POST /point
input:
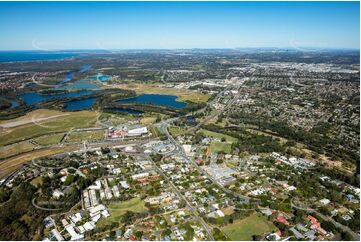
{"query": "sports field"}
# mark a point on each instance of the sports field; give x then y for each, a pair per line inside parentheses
(117, 209)
(255, 224)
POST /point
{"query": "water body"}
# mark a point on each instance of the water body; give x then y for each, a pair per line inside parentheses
(35, 98)
(13, 102)
(80, 84)
(68, 77)
(83, 104)
(85, 68)
(156, 99)
(127, 110)
(101, 77)
(15, 56)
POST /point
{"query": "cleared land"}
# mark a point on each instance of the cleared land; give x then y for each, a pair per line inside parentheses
(255, 224)
(60, 124)
(86, 135)
(49, 139)
(117, 209)
(15, 149)
(154, 88)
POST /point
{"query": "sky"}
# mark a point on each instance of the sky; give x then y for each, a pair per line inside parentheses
(174, 25)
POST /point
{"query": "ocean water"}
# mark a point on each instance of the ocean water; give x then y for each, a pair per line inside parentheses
(15, 56)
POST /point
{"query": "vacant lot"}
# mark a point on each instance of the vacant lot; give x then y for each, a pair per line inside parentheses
(86, 135)
(49, 139)
(255, 224)
(59, 124)
(117, 209)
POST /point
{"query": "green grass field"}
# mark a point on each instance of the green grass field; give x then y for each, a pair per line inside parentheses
(49, 139)
(15, 149)
(60, 124)
(255, 224)
(175, 131)
(86, 135)
(117, 209)
(217, 147)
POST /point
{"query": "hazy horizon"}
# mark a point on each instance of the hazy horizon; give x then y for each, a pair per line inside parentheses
(178, 25)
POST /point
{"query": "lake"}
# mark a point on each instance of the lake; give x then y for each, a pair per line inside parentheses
(83, 104)
(80, 84)
(68, 77)
(85, 68)
(156, 99)
(35, 98)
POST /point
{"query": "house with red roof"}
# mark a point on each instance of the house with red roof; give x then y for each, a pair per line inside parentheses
(282, 219)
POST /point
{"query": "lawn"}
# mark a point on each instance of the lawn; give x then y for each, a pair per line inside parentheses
(117, 209)
(218, 135)
(49, 139)
(59, 124)
(15, 149)
(86, 135)
(217, 147)
(255, 224)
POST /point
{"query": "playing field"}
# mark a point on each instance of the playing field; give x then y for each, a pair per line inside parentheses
(60, 123)
(255, 224)
(117, 209)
